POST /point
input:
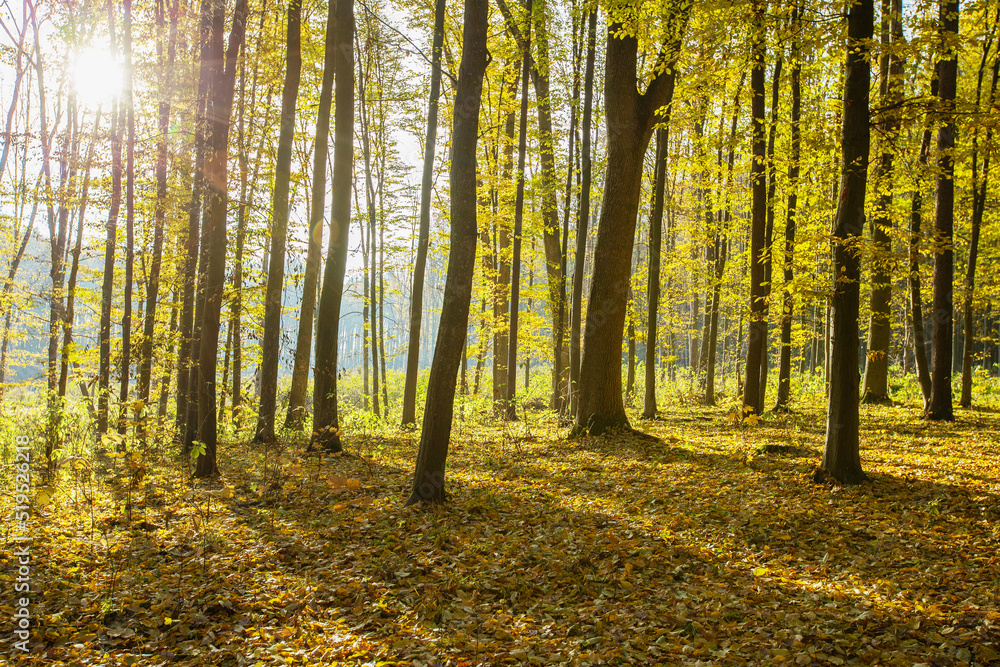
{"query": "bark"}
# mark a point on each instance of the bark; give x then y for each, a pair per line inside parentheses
(757, 328)
(583, 215)
(219, 112)
(510, 407)
(940, 407)
(653, 282)
(876, 379)
(107, 288)
(772, 186)
(630, 118)
(979, 190)
(420, 262)
(428, 476)
(153, 287)
(271, 339)
(371, 296)
(325, 418)
(303, 346)
(501, 308)
(841, 458)
(788, 301)
(187, 372)
(722, 249)
(129, 104)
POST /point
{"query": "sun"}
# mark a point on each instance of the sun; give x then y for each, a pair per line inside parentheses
(96, 77)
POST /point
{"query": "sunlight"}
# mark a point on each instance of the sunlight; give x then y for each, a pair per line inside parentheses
(96, 77)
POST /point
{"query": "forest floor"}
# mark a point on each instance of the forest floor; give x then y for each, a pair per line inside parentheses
(710, 545)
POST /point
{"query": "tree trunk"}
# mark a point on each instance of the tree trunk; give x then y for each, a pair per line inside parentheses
(788, 301)
(630, 117)
(303, 345)
(582, 216)
(129, 103)
(510, 407)
(428, 476)
(940, 407)
(653, 282)
(757, 329)
(219, 112)
(841, 458)
(420, 262)
(979, 190)
(876, 379)
(153, 287)
(271, 339)
(325, 418)
(772, 186)
(107, 288)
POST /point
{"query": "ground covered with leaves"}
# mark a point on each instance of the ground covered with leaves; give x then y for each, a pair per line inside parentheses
(708, 545)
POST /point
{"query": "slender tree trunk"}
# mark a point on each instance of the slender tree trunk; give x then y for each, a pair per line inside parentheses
(841, 458)
(107, 288)
(420, 263)
(979, 190)
(583, 215)
(752, 390)
(653, 282)
(428, 476)
(501, 309)
(303, 347)
(219, 112)
(510, 406)
(325, 417)
(129, 104)
(271, 340)
(876, 379)
(788, 303)
(772, 186)
(153, 288)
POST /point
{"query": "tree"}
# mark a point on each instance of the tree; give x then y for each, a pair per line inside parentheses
(841, 457)
(428, 475)
(653, 281)
(940, 407)
(583, 214)
(271, 342)
(788, 301)
(630, 118)
(222, 78)
(876, 379)
(757, 329)
(326, 423)
(300, 368)
(420, 262)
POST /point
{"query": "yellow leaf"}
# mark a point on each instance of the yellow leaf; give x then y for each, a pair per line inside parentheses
(760, 571)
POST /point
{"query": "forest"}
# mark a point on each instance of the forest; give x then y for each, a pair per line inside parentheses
(417, 332)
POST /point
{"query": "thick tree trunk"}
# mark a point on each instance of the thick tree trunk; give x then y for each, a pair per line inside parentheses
(428, 476)
(271, 339)
(325, 418)
(841, 458)
(303, 346)
(630, 117)
(219, 112)
(420, 262)
(940, 407)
